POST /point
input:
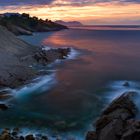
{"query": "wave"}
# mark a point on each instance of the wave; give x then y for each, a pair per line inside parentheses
(38, 85)
(117, 88)
(73, 54)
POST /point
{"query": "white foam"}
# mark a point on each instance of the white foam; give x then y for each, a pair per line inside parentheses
(117, 88)
(46, 48)
(73, 54)
(38, 85)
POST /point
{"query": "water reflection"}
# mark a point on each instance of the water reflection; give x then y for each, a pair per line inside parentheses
(80, 92)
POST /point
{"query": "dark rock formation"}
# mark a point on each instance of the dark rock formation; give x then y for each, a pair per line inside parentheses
(91, 135)
(4, 95)
(14, 134)
(117, 121)
(24, 24)
(126, 84)
(3, 107)
(51, 55)
(16, 56)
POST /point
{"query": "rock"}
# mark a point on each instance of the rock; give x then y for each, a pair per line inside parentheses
(51, 55)
(4, 95)
(5, 135)
(126, 84)
(6, 130)
(29, 137)
(21, 138)
(116, 121)
(112, 130)
(3, 107)
(15, 132)
(91, 135)
(44, 138)
(124, 103)
(132, 131)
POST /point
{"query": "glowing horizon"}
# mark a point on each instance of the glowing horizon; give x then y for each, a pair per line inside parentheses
(90, 12)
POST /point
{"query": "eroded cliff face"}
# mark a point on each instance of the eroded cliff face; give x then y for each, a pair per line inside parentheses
(12, 50)
(17, 58)
(117, 122)
(24, 24)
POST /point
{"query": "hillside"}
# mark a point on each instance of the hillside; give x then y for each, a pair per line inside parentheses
(12, 50)
(24, 24)
(16, 57)
(70, 23)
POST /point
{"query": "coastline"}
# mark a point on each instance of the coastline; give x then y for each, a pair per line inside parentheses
(117, 121)
(37, 63)
(17, 60)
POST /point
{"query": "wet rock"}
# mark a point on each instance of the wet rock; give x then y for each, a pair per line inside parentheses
(44, 138)
(123, 102)
(5, 135)
(116, 121)
(21, 138)
(15, 132)
(51, 55)
(4, 95)
(132, 131)
(91, 135)
(29, 137)
(112, 130)
(126, 84)
(3, 107)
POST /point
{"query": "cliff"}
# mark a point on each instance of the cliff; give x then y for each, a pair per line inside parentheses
(117, 121)
(16, 57)
(24, 24)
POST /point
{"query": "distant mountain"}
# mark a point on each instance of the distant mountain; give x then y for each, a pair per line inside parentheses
(11, 14)
(70, 23)
(24, 24)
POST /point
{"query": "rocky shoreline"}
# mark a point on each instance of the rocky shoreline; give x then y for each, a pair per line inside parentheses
(117, 121)
(17, 59)
(16, 55)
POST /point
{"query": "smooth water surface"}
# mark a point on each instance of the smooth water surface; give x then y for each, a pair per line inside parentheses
(79, 88)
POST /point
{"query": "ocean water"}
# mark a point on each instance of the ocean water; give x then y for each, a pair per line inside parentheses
(69, 99)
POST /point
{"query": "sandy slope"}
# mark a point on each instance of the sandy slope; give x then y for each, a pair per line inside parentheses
(12, 68)
(16, 57)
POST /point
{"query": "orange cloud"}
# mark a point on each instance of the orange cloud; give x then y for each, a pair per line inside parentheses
(100, 13)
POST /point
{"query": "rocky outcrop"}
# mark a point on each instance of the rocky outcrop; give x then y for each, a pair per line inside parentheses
(16, 55)
(117, 121)
(24, 24)
(18, 30)
(14, 134)
(51, 55)
(3, 107)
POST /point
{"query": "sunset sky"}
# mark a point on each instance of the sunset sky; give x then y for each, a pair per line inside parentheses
(86, 11)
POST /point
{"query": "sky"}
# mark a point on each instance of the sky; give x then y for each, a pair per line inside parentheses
(90, 12)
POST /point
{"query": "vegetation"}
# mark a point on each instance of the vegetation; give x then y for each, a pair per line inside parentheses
(24, 21)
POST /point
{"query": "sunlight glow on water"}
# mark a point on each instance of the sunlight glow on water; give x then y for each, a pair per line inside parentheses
(82, 86)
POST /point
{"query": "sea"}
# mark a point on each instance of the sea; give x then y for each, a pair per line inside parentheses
(69, 98)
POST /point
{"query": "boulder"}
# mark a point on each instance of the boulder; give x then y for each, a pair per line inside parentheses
(126, 84)
(116, 121)
(45, 57)
(91, 135)
(5, 135)
(3, 107)
(29, 137)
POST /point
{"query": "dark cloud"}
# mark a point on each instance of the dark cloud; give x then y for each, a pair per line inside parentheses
(48, 2)
(24, 2)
